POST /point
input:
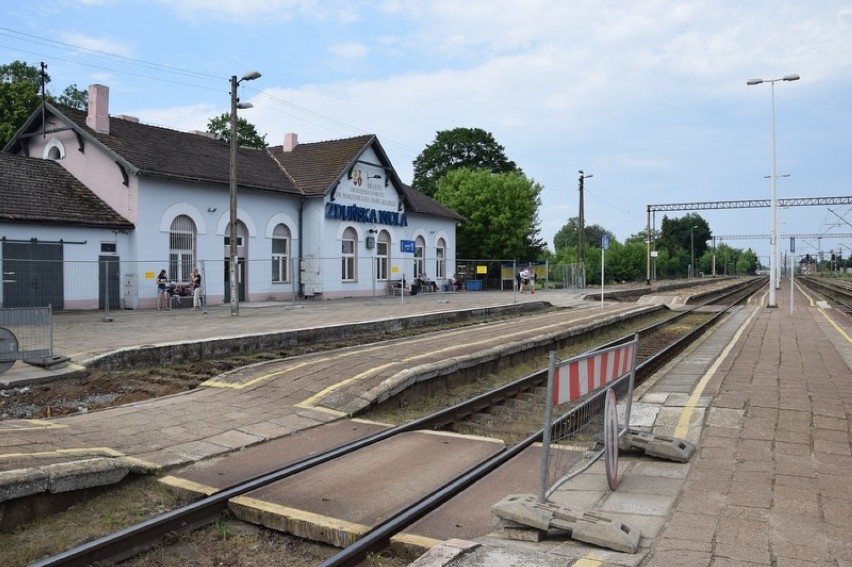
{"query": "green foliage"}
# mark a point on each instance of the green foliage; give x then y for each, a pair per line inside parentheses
(501, 211)
(568, 235)
(472, 148)
(74, 97)
(247, 135)
(681, 238)
(20, 95)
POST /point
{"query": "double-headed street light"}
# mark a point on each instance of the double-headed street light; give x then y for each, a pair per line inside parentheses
(773, 237)
(235, 104)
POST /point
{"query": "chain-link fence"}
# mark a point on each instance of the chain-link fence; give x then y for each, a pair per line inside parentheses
(25, 333)
(113, 284)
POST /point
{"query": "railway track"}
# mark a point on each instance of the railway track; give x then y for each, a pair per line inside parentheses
(838, 292)
(662, 342)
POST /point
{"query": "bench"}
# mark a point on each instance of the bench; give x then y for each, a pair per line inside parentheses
(178, 293)
(395, 288)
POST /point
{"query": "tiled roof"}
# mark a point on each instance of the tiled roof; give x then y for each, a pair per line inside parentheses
(316, 167)
(426, 205)
(310, 169)
(183, 155)
(37, 190)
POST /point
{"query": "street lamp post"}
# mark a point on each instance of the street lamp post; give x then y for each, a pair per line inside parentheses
(581, 236)
(232, 234)
(773, 238)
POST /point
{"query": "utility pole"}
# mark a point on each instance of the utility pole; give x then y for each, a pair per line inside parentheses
(581, 236)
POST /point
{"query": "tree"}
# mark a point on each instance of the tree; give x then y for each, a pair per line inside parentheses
(501, 212)
(680, 237)
(568, 234)
(74, 97)
(20, 87)
(472, 148)
(20, 96)
(247, 135)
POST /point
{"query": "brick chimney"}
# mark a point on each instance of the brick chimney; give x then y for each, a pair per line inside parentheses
(98, 117)
(291, 140)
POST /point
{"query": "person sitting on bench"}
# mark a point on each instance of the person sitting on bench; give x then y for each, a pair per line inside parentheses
(425, 283)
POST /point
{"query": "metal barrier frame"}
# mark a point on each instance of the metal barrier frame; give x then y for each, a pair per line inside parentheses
(574, 441)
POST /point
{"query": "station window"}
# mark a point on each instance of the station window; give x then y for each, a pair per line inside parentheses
(382, 256)
(181, 248)
(280, 254)
(441, 259)
(348, 257)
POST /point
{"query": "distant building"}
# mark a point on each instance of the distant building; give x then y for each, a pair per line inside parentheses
(327, 219)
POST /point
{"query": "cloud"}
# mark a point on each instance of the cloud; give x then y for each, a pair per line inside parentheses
(252, 11)
(101, 44)
(350, 52)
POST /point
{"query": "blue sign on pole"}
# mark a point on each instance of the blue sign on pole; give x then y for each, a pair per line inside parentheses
(406, 246)
(604, 241)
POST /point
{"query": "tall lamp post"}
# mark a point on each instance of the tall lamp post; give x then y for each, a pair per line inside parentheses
(581, 236)
(232, 235)
(773, 237)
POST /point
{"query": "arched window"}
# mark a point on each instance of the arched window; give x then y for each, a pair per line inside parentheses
(419, 262)
(348, 255)
(383, 247)
(280, 254)
(54, 150)
(441, 259)
(181, 249)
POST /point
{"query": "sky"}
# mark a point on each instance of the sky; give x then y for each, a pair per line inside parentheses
(647, 96)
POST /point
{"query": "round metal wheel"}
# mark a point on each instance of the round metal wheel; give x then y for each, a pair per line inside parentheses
(611, 439)
(8, 349)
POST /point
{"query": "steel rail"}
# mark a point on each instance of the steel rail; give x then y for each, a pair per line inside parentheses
(167, 527)
(379, 537)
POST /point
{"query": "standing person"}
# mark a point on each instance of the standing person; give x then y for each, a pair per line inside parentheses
(163, 291)
(533, 276)
(195, 281)
(525, 279)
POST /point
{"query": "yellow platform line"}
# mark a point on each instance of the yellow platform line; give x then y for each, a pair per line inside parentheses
(215, 383)
(836, 326)
(91, 451)
(310, 403)
(686, 415)
(189, 485)
(295, 521)
(35, 425)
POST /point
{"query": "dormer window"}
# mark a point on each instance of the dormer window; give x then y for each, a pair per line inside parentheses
(54, 150)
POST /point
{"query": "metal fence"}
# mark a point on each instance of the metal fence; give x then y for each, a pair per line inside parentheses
(574, 440)
(25, 333)
(113, 284)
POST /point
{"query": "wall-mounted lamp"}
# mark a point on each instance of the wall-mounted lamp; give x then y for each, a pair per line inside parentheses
(211, 209)
(400, 204)
(373, 231)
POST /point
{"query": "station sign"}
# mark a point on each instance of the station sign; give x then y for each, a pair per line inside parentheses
(406, 246)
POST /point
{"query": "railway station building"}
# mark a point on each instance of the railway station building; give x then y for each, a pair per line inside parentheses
(93, 206)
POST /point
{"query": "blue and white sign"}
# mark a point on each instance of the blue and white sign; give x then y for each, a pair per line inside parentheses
(406, 246)
(604, 242)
